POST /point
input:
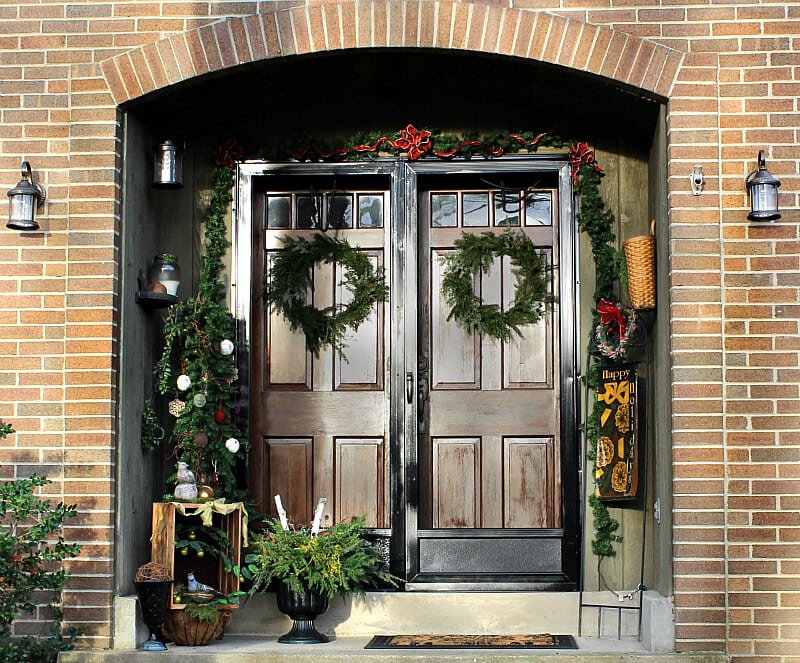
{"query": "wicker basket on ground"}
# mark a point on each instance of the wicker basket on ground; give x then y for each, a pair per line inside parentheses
(184, 629)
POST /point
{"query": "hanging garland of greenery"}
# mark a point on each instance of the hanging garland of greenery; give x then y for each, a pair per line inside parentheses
(290, 280)
(473, 255)
(208, 433)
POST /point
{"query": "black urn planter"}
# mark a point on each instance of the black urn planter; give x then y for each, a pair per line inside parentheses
(153, 599)
(302, 607)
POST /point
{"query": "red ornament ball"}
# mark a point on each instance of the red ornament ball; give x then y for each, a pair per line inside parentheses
(219, 416)
(201, 440)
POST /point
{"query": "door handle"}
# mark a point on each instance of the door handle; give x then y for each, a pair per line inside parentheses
(409, 387)
(423, 388)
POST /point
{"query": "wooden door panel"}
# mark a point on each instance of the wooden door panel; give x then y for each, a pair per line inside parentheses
(455, 353)
(528, 358)
(528, 485)
(289, 471)
(288, 363)
(327, 413)
(508, 412)
(361, 477)
(456, 481)
(360, 366)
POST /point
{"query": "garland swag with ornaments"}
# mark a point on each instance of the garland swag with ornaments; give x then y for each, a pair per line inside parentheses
(197, 366)
(206, 433)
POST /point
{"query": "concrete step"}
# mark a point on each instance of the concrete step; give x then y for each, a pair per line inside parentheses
(606, 630)
(239, 649)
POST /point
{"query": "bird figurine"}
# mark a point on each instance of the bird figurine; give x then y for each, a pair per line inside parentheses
(194, 585)
(186, 488)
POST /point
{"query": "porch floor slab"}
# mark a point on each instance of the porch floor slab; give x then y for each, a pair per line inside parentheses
(239, 649)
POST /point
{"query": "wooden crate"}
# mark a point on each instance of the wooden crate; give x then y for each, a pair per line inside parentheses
(208, 570)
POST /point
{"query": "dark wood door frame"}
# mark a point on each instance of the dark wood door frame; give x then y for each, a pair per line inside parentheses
(555, 564)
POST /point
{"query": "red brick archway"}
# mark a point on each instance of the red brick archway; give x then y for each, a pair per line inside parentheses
(345, 24)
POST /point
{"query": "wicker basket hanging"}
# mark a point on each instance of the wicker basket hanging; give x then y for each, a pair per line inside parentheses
(640, 258)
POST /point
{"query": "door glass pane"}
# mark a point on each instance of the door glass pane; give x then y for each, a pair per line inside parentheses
(506, 208)
(443, 210)
(370, 211)
(476, 209)
(340, 211)
(308, 211)
(279, 212)
(538, 208)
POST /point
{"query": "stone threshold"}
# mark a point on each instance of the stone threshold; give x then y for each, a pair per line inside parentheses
(241, 649)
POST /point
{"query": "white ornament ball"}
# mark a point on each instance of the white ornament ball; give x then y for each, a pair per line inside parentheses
(226, 347)
(184, 382)
(232, 445)
(199, 400)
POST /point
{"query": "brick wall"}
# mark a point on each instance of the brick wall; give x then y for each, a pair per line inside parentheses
(730, 71)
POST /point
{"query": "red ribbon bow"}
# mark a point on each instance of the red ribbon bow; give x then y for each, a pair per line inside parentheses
(611, 314)
(229, 153)
(580, 154)
(413, 142)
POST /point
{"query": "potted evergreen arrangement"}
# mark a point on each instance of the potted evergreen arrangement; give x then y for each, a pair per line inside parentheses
(312, 565)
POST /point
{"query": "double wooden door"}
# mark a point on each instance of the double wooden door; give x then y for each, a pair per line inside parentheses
(456, 447)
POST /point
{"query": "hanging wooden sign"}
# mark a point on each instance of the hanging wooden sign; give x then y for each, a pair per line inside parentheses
(617, 464)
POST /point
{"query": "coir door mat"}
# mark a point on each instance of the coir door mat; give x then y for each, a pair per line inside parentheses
(527, 641)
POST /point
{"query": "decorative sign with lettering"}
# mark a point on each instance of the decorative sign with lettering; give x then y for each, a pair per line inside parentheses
(617, 464)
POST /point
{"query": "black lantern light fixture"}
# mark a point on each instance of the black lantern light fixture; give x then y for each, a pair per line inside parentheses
(23, 200)
(168, 166)
(762, 188)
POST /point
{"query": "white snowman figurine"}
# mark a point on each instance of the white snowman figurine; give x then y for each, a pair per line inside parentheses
(186, 488)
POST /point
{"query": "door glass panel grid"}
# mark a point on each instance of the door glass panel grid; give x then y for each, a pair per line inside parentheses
(540, 206)
(504, 208)
(324, 210)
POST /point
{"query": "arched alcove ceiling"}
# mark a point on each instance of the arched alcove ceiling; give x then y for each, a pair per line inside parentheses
(339, 93)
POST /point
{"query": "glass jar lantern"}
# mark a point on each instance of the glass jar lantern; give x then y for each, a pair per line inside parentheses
(164, 275)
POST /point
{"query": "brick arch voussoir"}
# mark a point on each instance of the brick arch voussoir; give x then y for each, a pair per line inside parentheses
(354, 24)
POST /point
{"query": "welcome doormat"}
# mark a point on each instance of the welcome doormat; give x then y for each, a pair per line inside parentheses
(526, 641)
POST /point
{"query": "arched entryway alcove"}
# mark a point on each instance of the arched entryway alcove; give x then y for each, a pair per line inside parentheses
(332, 95)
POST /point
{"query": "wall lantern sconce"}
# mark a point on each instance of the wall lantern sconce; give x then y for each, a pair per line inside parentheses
(762, 188)
(168, 166)
(23, 200)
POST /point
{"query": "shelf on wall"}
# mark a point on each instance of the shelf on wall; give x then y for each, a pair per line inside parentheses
(169, 516)
(155, 299)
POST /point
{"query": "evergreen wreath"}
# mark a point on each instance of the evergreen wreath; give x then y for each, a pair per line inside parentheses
(474, 254)
(290, 280)
(615, 329)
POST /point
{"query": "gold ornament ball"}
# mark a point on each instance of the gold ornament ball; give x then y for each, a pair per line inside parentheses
(184, 551)
(177, 598)
(205, 492)
(200, 553)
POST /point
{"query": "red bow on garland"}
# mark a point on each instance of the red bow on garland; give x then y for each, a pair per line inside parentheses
(413, 141)
(578, 155)
(229, 153)
(611, 314)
